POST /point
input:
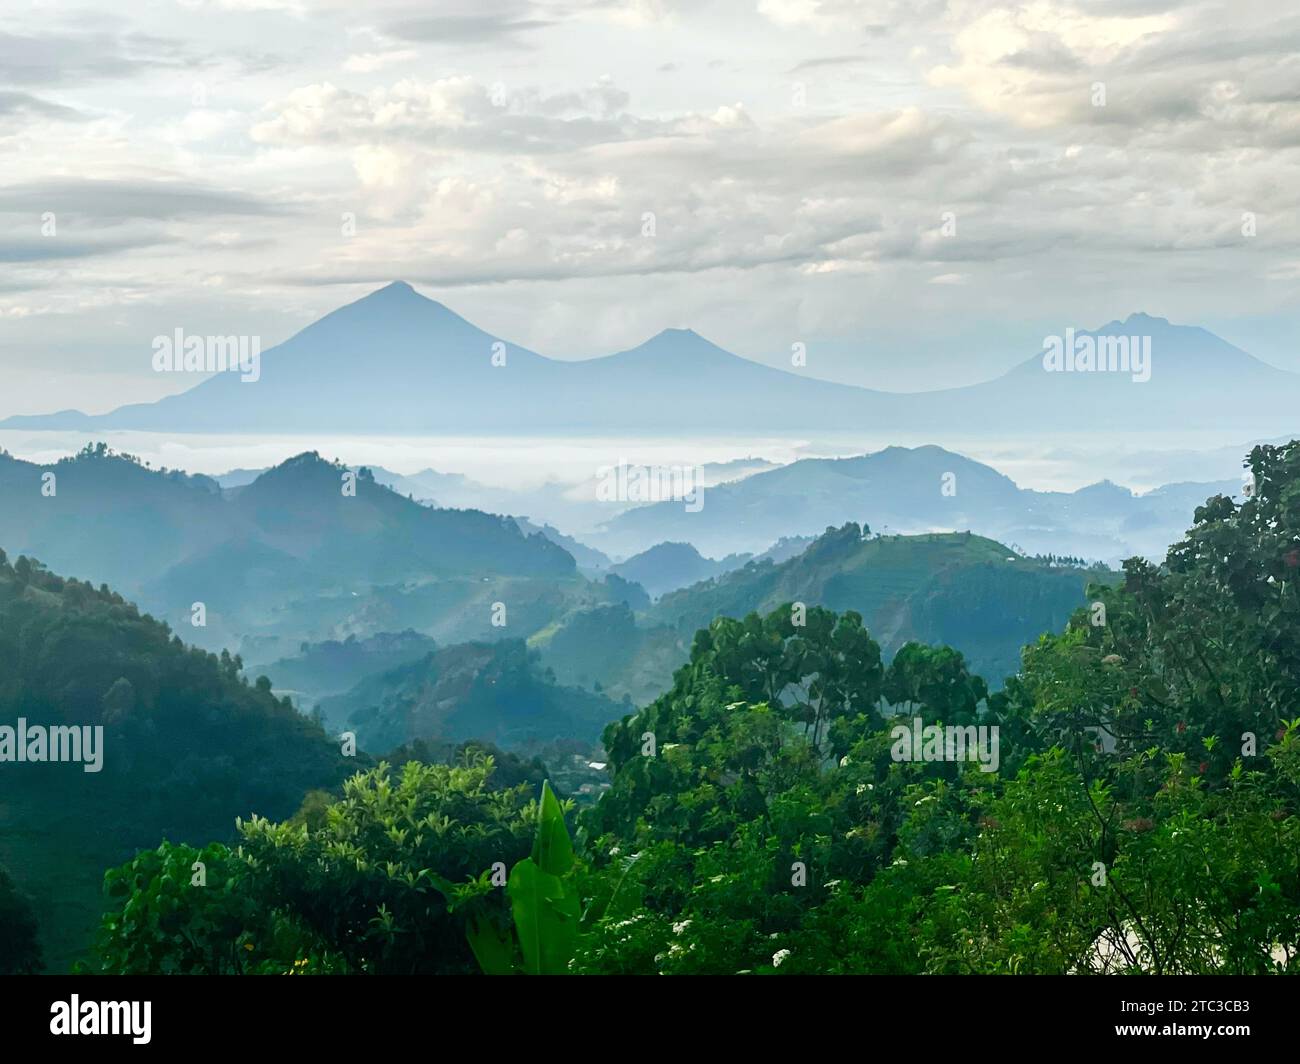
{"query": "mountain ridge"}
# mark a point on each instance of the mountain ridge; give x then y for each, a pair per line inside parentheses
(395, 361)
(916, 490)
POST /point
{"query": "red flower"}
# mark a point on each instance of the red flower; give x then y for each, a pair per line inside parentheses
(1203, 767)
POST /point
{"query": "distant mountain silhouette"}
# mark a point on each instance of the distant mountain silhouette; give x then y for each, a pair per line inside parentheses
(667, 566)
(397, 362)
(589, 559)
(917, 489)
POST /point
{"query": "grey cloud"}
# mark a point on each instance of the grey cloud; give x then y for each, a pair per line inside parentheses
(74, 58)
(554, 185)
(1046, 54)
(540, 135)
(462, 29)
(22, 103)
(602, 98)
(828, 61)
(481, 273)
(1127, 8)
(1220, 44)
(55, 248)
(113, 201)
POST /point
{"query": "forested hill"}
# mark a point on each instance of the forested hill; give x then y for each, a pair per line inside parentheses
(303, 522)
(187, 745)
(494, 691)
(956, 589)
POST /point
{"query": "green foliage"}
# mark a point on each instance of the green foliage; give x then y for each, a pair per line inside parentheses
(937, 678)
(1067, 878)
(185, 911)
(187, 745)
(380, 881)
(1145, 818)
(544, 903)
(20, 948)
(389, 877)
(543, 896)
(771, 764)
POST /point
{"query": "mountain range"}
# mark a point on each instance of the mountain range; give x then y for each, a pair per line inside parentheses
(289, 558)
(915, 489)
(664, 546)
(396, 362)
(292, 553)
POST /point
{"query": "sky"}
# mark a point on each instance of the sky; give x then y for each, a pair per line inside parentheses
(917, 191)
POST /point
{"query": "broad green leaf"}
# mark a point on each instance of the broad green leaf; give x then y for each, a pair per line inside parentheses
(552, 848)
(492, 947)
(546, 911)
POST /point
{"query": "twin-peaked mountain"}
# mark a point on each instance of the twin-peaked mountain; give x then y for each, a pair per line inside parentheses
(397, 362)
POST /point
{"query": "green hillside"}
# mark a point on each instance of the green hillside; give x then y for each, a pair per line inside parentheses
(337, 665)
(959, 589)
(497, 692)
(187, 745)
(300, 554)
(955, 589)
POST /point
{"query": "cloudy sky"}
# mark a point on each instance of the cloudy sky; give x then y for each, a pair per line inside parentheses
(917, 190)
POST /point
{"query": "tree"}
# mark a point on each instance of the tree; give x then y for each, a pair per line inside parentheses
(935, 678)
(188, 911)
(388, 878)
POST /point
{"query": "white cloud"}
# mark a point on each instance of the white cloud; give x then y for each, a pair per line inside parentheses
(369, 62)
(1038, 63)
